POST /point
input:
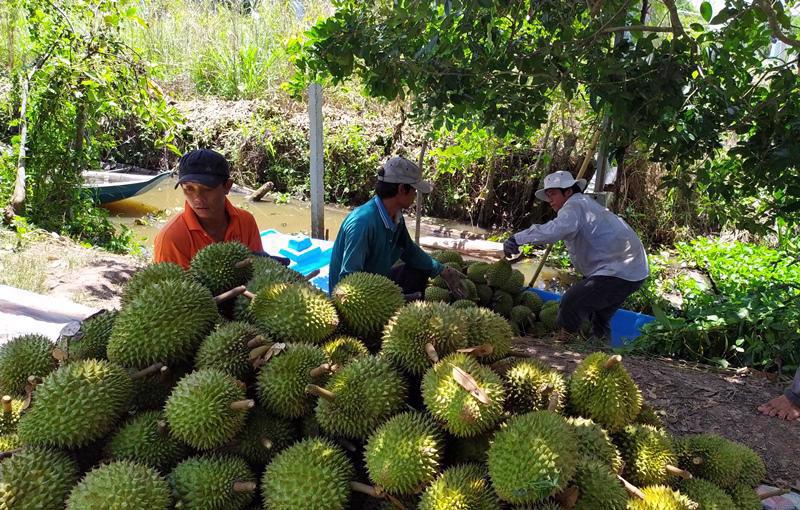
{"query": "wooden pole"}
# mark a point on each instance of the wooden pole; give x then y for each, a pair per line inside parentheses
(419, 195)
(317, 152)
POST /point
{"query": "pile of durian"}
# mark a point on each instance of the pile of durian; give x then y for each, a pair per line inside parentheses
(300, 401)
(498, 287)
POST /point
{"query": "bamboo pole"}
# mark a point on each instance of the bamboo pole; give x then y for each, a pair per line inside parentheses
(418, 221)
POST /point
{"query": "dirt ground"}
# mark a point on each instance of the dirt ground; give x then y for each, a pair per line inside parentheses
(693, 398)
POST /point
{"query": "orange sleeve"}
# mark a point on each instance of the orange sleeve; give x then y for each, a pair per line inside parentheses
(166, 247)
(251, 236)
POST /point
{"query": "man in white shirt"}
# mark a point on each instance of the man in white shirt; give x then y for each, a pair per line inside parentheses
(601, 246)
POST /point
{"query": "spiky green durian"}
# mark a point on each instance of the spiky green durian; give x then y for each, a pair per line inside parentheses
(9, 442)
(404, 454)
(745, 498)
(77, 404)
(602, 390)
(533, 456)
(502, 302)
(145, 439)
(294, 312)
(531, 300)
(312, 470)
(206, 409)
(344, 349)
(366, 302)
(266, 271)
(164, 323)
(477, 272)
(599, 487)
(707, 495)
(712, 458)
(649, 416)
(148, 275)
(659, 497)
(521, 314)
(93, 339)
(548, 315)
(437, 294)
(498, 273)
(364, 393)
(515, 283)
(485, 295)
(121, 485)
(283, 379)
(36, 479)
(530, 386)
(471, 289)
(213, 482)
(463, 487)
(226, 349)
(413, 327)
(461, 412)
(486, 327)
(449, 257)
(263, 436)
(595, 444)
(9, 414)
(439, 282)
(647, 451)
(753, 468)
(152, 391)
(219, 267)
(463, 303)
(24, 356)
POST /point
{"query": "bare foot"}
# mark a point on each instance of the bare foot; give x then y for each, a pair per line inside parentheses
(781, 407)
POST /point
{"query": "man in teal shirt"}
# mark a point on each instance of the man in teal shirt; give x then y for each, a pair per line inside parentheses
(374, 236)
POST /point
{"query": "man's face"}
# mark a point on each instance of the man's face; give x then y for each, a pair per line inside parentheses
(557, 198)
(408, 198)
(205, 201)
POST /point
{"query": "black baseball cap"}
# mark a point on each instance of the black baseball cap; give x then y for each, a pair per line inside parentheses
(203, 166)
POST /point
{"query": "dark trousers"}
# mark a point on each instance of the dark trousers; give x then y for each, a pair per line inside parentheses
(409, 279)
(793, 391)
(594, 299)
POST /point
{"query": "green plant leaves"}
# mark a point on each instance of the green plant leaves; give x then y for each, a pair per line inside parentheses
(706, 11)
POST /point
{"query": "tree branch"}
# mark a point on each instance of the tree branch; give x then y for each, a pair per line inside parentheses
(637, 28)
(674, 19)
(766, 6)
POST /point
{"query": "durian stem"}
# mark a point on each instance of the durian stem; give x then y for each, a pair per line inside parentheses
(256, 341)
(259, 351)
(244, 263)
(324, 369)
(552, 402)
(9, 453)
(678, 472)
(241, 487)
(546, 389)
(243, 404)
(363, 488)
(311, 275)
(320, 392)
(430, 350)
(152, 369)
(228, 295)
(612, 361)
(773, 492)
(479, 351)
(632, 489)
(7, 404)
(698, 460)
(161, 426)
(34, 381)
(266, 443)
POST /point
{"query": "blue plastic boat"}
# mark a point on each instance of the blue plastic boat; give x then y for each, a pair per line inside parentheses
(105, 187)
(308, 255)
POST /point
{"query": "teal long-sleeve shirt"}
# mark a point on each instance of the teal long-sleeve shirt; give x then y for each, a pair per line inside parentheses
(371, 242)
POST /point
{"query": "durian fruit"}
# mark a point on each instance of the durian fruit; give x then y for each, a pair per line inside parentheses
(485, 295)
(145, 439)
(533, 456)
(598, 487)
(707, 495)
(498, 273)
(212, 482)
(77, 404)
(226, 349)
(219, 267)
(471, 289)
(486, 327)
(594, 443)
(521, 314)
(649, 416)
(366, 302)
(206, 409)
(24, 356)
(294, 312)
(548, 315)
(420, 332)
(266, 271)
(463, 412)
(152, 390)
(502, 302)
(531, 300)
(404, 454)
(532, 385)
(477, 272)
(648, 453)
(263, 436)
(313, 473)
(163, 324)
(148, 275)
(711, 457)
(121, 485)
(660, 497)
(9, 442)
(515, 282)
(93, 339)
(282, 380)
(602, 390)
(753, 469)
(36, 478)
(341, 350)
(359, 397)
(449, 257)
(463, 303)
(9, 415)
(745, 498)
(438, 281)
(437, 294)
(463, 487)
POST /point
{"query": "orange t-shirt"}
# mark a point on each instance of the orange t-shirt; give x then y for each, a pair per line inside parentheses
(183, 236)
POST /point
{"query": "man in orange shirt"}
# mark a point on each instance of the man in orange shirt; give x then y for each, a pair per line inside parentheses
(208, 216)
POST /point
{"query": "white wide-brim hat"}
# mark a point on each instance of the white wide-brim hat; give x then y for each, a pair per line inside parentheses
(560, 179)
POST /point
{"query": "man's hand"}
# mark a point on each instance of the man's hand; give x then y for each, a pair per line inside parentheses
(453, 279)
(510, 247)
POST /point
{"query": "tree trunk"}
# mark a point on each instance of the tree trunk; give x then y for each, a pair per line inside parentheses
(80, 127)
(488, 199)
(11, 25)
(620, 183)
(16, 206)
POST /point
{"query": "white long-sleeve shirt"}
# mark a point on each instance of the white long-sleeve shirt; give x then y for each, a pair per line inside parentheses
(599, 242)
